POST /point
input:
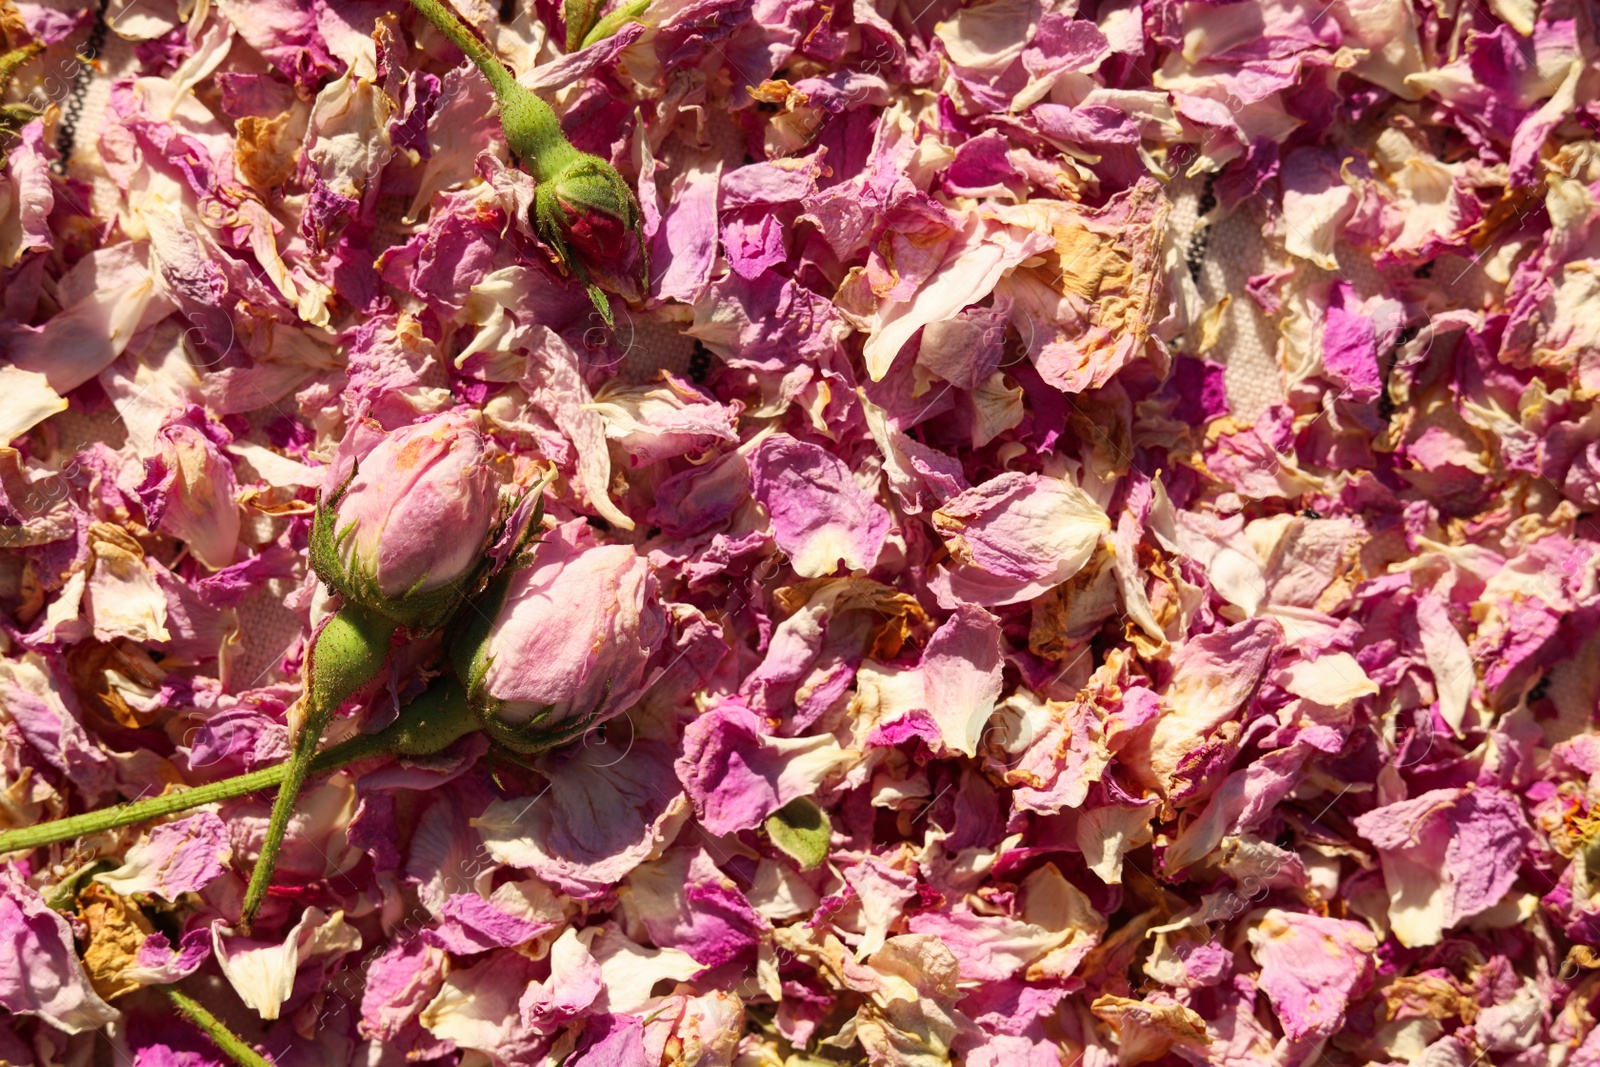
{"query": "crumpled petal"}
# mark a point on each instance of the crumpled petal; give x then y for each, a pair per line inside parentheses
(174, 858)
(736, 774)
(41, 974)
(598, 820)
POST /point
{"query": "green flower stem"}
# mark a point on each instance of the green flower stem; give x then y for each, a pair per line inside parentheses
(139, 811)
(429, 724)
(613, 22)
(231, 1044)
(347, 653)
(531, 127)
(447, 23)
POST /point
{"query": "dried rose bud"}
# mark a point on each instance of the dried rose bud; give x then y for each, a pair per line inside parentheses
(582, 208)
(408, 532)
(405, 539)
(565, 642)
(588, 216)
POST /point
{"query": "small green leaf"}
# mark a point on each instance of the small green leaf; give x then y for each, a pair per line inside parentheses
(801, 831)
(64, 897)
(601, 304)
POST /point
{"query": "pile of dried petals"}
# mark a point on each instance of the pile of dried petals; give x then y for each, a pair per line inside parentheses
(752, 532)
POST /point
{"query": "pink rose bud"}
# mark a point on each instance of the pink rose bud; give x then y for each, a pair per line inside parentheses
(409, 530)
(567, 642)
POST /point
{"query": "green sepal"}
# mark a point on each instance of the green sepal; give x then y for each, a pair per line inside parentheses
(468, 649)
(608, 26)
(528, 536)
(580, 17)
(801, 830)
(602, 304)
(474, 620)
(533, 736)
(549, 221)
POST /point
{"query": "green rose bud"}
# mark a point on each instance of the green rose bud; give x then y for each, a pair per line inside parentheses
(590, 219)
(583, 209)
